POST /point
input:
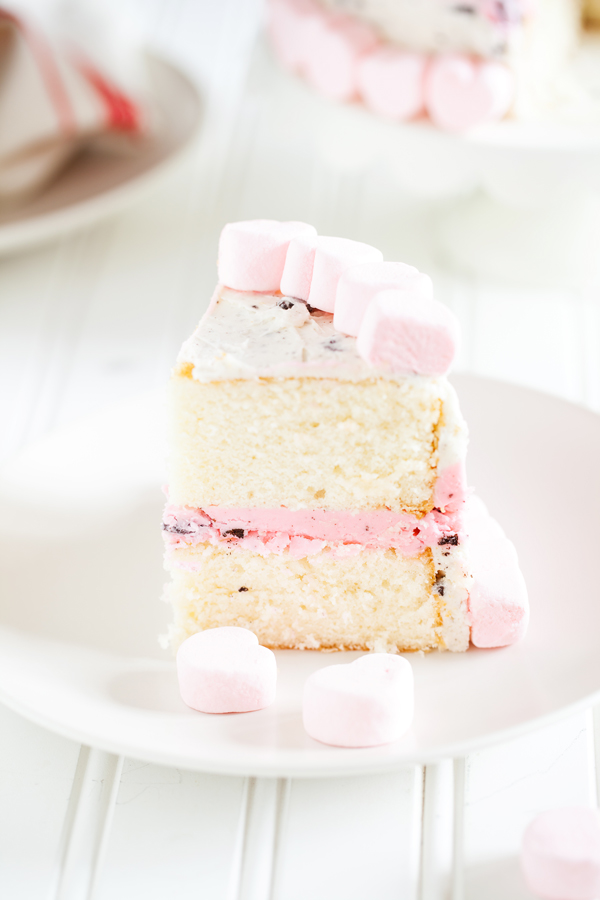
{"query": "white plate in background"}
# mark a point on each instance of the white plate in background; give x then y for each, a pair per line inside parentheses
(81, 579)
(97, 185)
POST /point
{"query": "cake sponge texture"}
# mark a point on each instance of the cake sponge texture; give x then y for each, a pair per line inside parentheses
(377, 600)
(318, 443)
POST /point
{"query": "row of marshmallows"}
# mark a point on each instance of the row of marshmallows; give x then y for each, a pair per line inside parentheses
(387, 306)
(345, 60)
(361, 704)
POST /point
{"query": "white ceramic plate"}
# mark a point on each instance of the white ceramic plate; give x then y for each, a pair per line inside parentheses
(81, 578)
(98, 185)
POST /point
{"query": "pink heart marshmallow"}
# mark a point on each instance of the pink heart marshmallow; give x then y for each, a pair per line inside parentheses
(298, 268)
(334, 46)
(560, 854)
(498, 604)
(391, 82)
(332, 257)
(461, 92)
(225, 670)
(290, 24)
(407, 334)
(359, 284)
(252, 254)
(361, 704)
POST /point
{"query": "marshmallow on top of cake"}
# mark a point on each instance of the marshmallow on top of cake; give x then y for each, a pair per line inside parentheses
(317, 490)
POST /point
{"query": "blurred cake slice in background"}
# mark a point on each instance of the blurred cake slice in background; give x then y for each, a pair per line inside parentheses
(317, 490)
(459, 64)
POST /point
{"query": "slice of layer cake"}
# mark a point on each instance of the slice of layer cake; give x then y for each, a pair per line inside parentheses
(316, 487)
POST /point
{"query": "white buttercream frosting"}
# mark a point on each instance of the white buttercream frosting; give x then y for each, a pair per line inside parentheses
(453, 434)
(247, 335)
(473, 26)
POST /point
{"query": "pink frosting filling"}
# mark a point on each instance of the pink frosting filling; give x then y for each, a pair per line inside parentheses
(304, 532)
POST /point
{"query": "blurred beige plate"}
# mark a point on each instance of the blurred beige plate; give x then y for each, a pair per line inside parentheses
(81, 579)
(98, 185)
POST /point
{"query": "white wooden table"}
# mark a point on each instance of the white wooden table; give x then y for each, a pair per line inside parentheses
(101, 315)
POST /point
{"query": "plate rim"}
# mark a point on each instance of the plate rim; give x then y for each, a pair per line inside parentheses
(456, 750)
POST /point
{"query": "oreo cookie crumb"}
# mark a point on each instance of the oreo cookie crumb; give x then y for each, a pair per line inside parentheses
(236, 532)
(176, 529)
(448, 539)
(285, 304)
(242, 589)
(310, 308)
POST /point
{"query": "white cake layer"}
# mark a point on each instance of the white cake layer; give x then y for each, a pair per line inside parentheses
(318, 443)
(378, 600)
